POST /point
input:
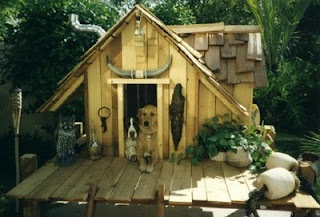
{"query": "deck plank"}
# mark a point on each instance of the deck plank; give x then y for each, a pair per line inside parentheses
(148, 184)
(70, 181)
(198, 184)
(79, 192)
(237, 186)
(32, 182)
(181, 187)
(55, 180)
(166, 178)
(249, 178)
(110, 178)
(217, 191)
(123, 191)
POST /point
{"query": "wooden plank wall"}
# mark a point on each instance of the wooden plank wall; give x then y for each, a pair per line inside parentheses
(200, 103)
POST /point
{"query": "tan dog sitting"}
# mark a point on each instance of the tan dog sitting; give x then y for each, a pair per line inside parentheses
(147, 150)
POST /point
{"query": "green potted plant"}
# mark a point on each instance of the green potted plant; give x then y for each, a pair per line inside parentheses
(217, 135)
(259, 148)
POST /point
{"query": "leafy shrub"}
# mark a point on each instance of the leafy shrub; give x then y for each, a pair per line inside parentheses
(288, 102)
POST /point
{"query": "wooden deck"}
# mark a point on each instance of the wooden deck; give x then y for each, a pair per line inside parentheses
(212, 184)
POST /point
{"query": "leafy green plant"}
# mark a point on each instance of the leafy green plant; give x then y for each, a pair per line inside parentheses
(259, 148)
(311, 143)
(217, 134)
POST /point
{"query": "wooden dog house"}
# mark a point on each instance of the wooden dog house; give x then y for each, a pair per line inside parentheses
(217, 65)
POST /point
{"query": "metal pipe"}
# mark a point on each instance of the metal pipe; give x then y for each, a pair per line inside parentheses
(74, 20)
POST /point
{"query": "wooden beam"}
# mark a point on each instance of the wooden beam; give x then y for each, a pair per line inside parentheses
(195, 28)
(120, 119)
(138, 81)
(66, 93)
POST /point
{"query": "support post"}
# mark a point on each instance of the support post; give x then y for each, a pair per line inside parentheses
(160, 202)
(28, 165)
(90, 203)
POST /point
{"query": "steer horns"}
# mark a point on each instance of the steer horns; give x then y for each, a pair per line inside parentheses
(139, 73)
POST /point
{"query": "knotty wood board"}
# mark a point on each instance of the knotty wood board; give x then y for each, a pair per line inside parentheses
(198, 184)
(79, 192)
(147, 186)
(32, 182)
(165, 178)
(237, 186)
(181, 189)
(110, 178)
(55, 180)
(125, 188)
(71, 181)
(217, 191)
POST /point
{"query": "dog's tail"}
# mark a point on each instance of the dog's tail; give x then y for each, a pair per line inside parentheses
(251, 204)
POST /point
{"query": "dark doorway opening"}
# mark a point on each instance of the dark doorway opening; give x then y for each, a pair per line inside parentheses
(137, 96)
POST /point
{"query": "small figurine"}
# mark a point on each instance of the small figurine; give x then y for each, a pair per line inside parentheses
(66, 138)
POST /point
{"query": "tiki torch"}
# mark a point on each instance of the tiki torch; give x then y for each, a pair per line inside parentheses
(16, 103)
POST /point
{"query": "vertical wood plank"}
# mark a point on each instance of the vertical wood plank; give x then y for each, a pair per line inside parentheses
(243, 93)
(106, 100)
(152, 46)
(120, 119)
(94, 99)
(141, 51)
(128, 46)
(192, 104)
(178, 74)
(160, 118)
(163, 51)
(116, 54)
(28, 165)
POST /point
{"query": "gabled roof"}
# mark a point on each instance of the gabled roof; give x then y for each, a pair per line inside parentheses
(75, 77)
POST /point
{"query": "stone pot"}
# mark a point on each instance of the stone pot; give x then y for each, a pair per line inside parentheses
(239, 159)
(221, 156)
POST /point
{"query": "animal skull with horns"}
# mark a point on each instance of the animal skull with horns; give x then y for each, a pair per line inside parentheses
(139, 73)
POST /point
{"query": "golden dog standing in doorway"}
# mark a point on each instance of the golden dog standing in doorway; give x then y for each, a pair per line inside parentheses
(147, 150)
